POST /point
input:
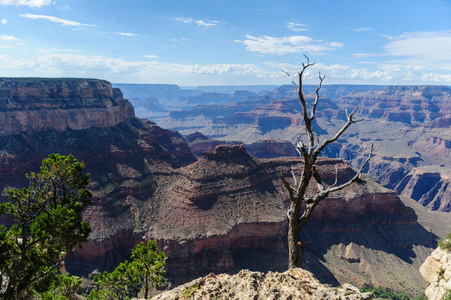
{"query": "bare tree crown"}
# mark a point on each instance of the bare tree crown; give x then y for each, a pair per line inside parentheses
(309, 152)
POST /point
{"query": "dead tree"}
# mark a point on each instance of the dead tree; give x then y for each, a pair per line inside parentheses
(298, 214)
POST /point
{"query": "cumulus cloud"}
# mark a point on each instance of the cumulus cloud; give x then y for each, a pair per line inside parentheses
(284, 45)
(432, 77)
(8, 38)
(54, 19)
(4, 21)
(116, 69)
(201, 23)
(30, 3)
(294, 26)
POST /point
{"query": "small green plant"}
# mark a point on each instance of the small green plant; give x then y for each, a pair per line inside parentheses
(386, 293)
(445, 243)
(447, 296)
(189, 290)
(441, 273)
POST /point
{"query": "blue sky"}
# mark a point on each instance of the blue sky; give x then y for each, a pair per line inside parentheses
(227, 42)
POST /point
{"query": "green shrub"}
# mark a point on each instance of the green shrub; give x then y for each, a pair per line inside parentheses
(447, 296)
(445, 243)
(386, 293)
(189, 290)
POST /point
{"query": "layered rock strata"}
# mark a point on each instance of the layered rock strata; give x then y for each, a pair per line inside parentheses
(37, 105)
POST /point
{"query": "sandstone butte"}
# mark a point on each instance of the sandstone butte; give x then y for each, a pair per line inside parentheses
(220, 213)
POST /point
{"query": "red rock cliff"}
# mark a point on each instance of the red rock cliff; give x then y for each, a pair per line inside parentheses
(36, 105)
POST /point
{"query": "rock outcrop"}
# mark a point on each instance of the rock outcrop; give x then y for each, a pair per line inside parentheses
(37, 105)
(248, 285)
(429, 186)
(272, 148)
(436, 270)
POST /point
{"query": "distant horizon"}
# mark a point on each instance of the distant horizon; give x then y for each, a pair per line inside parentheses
(228, 42)
(216, 85)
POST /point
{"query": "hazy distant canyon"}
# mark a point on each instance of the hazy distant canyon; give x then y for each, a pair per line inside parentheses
(409, 126)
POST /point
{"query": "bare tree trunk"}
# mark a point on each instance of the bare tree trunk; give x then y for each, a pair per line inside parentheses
(293, 239)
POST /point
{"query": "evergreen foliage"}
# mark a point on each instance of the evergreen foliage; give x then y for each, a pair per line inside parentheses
(144, 272)
(62, 287)
(47, 225)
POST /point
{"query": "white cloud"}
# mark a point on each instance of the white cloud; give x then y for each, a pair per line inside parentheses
(206, 23)
(294, 26)
(433, 45)
(30, 3)
(284, 45)
(202, 23)
(437, 77)
(127, 34)
(118, 70)
(389, 74)
(151, 56)
(54, 19)
(363, 55)
(184, 20)
(363, 29)
(4, 21)
(8, 38)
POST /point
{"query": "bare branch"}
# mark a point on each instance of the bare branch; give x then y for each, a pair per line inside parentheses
(336, 176)
(287, 186)
(294, 178)
(321, 78)
(353, 179)
(292, 81)
(300, 148)
(301, 96)
(313, 202)
(319, 182)
(350, 121)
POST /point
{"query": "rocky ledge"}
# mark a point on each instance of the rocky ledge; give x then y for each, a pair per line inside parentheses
(436, 270)
(291, 284)
(37, 105)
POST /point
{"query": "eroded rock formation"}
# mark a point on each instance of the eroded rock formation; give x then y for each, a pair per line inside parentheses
(37, 105)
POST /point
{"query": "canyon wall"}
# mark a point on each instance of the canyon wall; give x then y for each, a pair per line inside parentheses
(409, 126)
(222, 212)
(37, 105)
